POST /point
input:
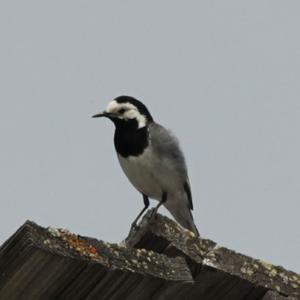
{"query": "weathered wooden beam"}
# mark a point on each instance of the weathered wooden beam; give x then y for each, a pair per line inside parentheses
(217, 271)
(38, 263)
(160, 261)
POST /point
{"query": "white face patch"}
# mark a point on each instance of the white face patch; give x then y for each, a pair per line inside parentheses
(131, 112)
(112, 107)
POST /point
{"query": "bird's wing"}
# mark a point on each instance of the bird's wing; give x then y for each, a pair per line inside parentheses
(167, 147)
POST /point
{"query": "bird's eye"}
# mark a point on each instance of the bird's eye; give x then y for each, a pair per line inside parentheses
(122, 110)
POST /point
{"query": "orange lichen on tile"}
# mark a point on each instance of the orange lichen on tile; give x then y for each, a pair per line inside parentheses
(73, 241)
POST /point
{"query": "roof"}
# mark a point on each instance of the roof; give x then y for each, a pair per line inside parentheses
(160, 260)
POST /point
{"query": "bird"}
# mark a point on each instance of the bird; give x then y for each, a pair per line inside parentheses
(152, 159)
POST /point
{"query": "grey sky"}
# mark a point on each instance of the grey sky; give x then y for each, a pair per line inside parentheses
(223, 75)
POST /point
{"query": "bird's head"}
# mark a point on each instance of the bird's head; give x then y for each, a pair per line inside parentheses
(127, 111)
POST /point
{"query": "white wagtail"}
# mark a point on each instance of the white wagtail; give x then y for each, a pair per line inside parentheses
(151, 158)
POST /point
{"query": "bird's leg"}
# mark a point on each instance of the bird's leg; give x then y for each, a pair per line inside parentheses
(161, 202)
(146, 202)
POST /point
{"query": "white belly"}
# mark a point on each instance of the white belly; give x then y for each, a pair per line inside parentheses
(149, 175)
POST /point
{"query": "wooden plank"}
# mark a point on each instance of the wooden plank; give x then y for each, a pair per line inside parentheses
(159, 261)
(38, 263)
(236, 276)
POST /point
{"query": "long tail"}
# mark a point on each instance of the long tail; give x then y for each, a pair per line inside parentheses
(189, 223)
(183, 215)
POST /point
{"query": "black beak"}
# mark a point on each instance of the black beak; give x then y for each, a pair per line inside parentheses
(106, 115)
(103, 114)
